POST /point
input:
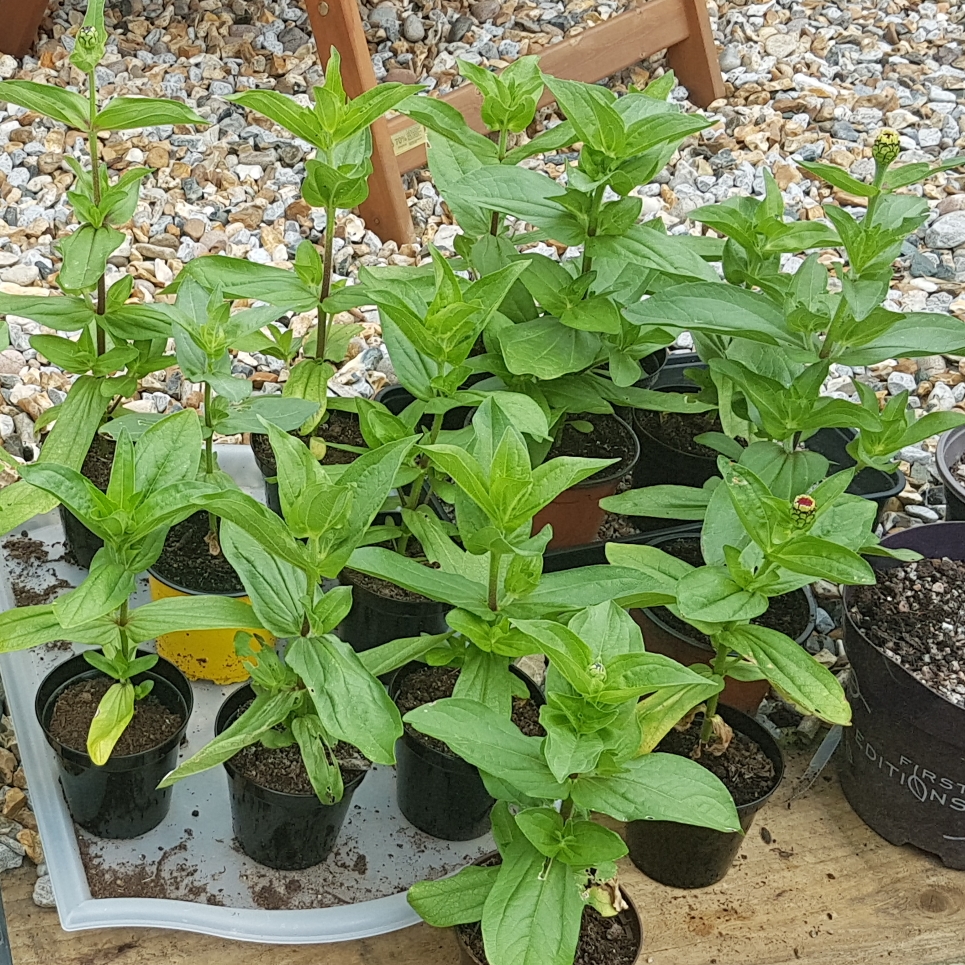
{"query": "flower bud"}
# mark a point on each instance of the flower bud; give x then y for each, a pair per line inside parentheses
(803, 508)
(886, 147)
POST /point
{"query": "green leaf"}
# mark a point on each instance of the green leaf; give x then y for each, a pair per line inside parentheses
(273, 584)
(67, 314)
(264, 713)
(547, 349)
(533, 913)
(114, 712)
(189, 613)
(22, 628)
(663, 502)
(791, 670)
(324, 774)
(351, 704)
(840, 179)
(388, 656)
(300, 121)
(709, 595)
(107, 586)
(489, 741)
(824, 559)
(66, 106)
(85, 253)
(458, 900)
(133, 113)
(660, 787)
(588, 844)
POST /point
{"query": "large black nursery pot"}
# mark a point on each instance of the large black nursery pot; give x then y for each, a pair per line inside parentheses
(951, 445)
(439, 793)
(119, 799)
(629, 919)
(674, 642)
(902, 762)
(375, 619)
(283, 831)
(686, 856)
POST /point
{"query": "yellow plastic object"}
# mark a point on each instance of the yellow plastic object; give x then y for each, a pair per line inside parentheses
(202, 654)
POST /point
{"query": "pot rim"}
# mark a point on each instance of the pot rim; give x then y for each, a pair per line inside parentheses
(679, 385)
(700, 645)
(171, 585)
(943, 462)
(623, 467)
(627, 897)
(86, 670)
(239, 696)
(847, 599)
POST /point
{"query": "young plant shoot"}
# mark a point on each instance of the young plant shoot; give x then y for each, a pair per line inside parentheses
(756, 546)
(554, 860)
(117, 343)
(152, 486)
(319, 693)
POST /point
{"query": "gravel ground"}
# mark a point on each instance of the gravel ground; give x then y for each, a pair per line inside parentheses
(804, 80)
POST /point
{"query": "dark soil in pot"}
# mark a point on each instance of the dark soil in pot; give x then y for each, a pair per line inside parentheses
(916, 616)
(120, 798)
(186, 560)
(438, 792)
(277, 818)
(339, 427)
(76, 705)
(685, 856)
(80, 544)
(678, 431)
(575, 514)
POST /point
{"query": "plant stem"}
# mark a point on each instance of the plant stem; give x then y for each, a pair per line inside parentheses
(496, 219)
(95, 165)
(209, 452)
(417, 494)
(323, 317)
(591, 226)
(723, 653)
(494, 559)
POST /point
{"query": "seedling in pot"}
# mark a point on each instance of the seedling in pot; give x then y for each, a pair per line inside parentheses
(770, 337)
(757, 546)
(118, 343)
(152, 487)
(339, 129)
(556, 861)
(204, 330)
(491, 565)
(319, 693)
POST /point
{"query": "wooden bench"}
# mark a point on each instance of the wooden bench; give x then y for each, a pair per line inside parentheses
(820, 888)
(682, 27)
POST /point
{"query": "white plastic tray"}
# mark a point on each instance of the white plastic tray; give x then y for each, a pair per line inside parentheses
(359, 891)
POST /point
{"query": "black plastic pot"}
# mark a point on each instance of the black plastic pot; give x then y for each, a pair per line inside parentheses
(79, 541)
(951, 445)
(396, 398)
(439, 793)
(628, 919)
(686, 856)
(374, 620)
(661, 637)
(283, 831)
(902, 763)
(119, 799)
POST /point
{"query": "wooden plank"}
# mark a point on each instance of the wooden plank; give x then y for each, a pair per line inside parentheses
(826, 891)
(596, 53)
(20, 21)
(336, 23)
(695, 60)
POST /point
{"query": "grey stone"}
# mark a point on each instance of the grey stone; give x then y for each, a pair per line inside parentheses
(823, 622)
(387, 18)
(924, 264)
(925, 513)
(915, 454)
(941, 399)
(844, 131)
(23, 275)
(901, 382)
(9, 859)
(44, 893)
(947, 232)
(460, 27)
(413, 29)
(484, 10)
(929, 137)
(292, 38)
(931, 365)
